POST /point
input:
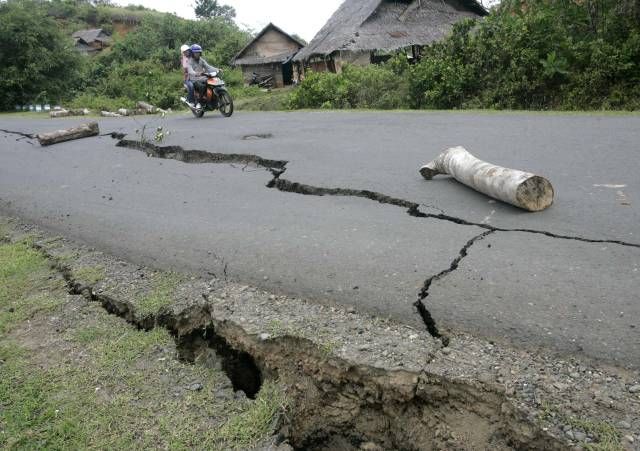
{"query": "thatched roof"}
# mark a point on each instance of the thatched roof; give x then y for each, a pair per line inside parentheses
(89, 36)
(365, 25)
(245, 58)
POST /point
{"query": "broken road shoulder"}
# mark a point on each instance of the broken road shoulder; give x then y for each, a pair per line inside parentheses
(352, 378)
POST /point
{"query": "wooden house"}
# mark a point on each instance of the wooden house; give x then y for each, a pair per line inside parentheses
(270, 53)
(91, 41)
(362, 32)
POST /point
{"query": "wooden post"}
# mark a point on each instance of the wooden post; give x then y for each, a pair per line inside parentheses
(522, 189)
(82, 131)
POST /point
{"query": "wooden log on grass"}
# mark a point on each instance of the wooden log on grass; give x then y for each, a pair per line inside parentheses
(522, 189)
(82, 131)
(150, 109)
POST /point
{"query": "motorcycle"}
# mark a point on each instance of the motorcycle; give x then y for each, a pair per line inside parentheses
(216, 97)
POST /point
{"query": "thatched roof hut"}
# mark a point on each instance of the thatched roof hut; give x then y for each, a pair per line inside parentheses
(363, 26)
(90, 41)
(270, 53)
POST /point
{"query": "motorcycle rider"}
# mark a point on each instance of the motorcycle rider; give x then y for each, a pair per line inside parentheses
(197, 68)
(185, 52)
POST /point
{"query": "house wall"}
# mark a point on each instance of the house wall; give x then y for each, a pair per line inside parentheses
(354, 58)
(270, 44)
(275, 70)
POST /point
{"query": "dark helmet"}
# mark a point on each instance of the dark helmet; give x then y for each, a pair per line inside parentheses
(195, 48)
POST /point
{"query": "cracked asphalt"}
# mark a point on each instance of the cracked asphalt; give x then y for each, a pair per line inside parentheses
(530, 289)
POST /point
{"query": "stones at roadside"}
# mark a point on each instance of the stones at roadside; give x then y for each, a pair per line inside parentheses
(574, 375)
(196, 386)
(624, 425)
(264, 336)
(446, 351)
(634, 389)
(629, 438)
(569, 434)
(579, 436)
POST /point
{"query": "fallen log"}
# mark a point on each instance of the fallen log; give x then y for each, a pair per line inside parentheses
(71, 112)
(522, 189)
(150, 109)
(109, 114)
(60, 113)
(82, 131)
(135, 112)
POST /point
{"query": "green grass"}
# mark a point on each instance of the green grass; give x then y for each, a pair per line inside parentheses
(252, 99)
(96, 382)
(164, 284)
(90, 275)
(255, 423)
(25, 288)
(607, 436)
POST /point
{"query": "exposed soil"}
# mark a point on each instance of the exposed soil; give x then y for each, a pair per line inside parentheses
(359, 382)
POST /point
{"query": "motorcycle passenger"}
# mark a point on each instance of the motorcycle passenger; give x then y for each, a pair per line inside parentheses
(185, 52)
(197, 68)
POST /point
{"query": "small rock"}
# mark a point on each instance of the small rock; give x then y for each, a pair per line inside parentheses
(240, 395)
(569, 434)
(264, 336)
(624, 425)
(575, 375)
(196, 386)
(370, 446)
(351, 310)
(446, 351)
(272, 297)
(580, 436)
(634, 389)
(629, 438)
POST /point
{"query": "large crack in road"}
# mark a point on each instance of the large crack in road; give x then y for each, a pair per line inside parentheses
(278, 168)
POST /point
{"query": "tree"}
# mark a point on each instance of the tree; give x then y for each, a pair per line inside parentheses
(208, 9)
(37, 62)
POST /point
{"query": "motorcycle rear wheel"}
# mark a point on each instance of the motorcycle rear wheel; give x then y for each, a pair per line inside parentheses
(226, 104)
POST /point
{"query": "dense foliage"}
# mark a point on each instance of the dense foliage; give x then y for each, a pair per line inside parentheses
(38, 62)
(533, 54)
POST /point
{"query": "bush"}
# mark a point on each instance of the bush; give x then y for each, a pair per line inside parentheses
(37, 62)
(543, 55)
(356, 87)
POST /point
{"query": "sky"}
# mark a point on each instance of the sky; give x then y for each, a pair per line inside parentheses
(302, 17)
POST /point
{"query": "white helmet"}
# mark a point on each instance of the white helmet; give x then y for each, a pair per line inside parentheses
(184, 48)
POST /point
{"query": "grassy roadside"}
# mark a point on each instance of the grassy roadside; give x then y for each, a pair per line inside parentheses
(74, 377)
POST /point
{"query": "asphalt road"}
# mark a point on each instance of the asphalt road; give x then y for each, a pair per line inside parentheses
(531, 289)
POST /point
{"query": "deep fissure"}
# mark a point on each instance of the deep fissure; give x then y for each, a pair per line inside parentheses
(239, 366)
(335, 404)
(206, 347)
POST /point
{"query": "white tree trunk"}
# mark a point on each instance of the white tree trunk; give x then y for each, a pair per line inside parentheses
(522, 189)
(150, 109)
(82, 131)
(109, 114)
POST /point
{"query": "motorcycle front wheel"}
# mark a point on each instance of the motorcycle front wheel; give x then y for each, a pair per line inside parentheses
(226, 104)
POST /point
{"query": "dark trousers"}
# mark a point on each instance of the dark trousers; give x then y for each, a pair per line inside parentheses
(190, 90)
(201, 88)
